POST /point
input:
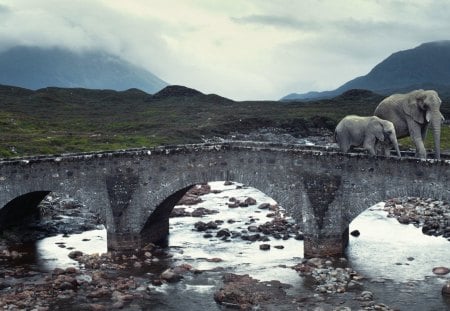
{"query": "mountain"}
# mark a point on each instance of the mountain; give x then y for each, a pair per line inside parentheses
(35, 68)
(183, 94)
(426, 66)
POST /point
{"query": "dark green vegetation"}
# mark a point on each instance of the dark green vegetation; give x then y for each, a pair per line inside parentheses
(57, 120)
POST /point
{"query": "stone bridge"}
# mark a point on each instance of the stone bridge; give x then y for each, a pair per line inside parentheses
(134, 191)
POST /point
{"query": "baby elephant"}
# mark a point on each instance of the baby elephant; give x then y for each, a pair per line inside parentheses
(366, 132)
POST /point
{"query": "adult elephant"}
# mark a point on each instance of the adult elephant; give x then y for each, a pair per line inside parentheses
(366, 132)
(411, 114)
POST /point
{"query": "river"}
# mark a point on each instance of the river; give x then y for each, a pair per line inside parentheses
(396, 260)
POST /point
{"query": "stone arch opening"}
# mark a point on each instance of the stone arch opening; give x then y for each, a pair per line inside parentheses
(41, 228)
(37, 205)
(231, 212)
(21, 209)
(156, 228)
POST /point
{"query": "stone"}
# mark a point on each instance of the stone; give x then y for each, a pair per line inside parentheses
(299, 237)
(242, 292)
(101, 292)
(214, 259)
(75, 254)
(223, 233)
(264, 206)
(250, 201)
(252, 238)
(97, 307)
(355, 233)
(71, 270)
(252, 228)
(446, 289)
(179, 212)
(366, 296)
(201, 211)
(201, 226)
(233, 205)
(264, 247)
(170, 276)
(404, 219)
(441, 270)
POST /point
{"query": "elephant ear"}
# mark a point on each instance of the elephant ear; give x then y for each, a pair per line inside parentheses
(413, 107)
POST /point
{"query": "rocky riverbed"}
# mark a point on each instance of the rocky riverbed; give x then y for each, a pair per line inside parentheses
(133, 281)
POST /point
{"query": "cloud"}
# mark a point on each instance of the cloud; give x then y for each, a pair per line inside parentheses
(242, 49)
(4, 9)
(276, 21)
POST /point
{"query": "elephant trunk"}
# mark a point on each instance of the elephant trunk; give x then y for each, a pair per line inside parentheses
(435, 126)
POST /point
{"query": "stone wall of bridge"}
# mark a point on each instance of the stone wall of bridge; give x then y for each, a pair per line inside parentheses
(135, 191)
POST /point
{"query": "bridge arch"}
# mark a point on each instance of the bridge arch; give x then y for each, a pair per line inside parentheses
(323, 190)
(21, 208)
(156, 226)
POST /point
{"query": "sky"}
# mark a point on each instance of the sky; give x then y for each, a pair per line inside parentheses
(240, 49)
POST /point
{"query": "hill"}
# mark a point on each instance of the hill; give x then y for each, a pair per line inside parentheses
(60, 120)
(426, 66)
(35, 68)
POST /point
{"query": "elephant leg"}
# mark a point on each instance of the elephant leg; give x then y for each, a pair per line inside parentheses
(420, 148)
(387, 152)
(415, 133)
(369, 145)
(344, 146)
(379, 148)
(385, 149)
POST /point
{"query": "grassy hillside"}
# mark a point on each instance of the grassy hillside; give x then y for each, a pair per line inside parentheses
(55, 120)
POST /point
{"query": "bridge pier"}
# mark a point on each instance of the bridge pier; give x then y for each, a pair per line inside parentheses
(321, 245)
(119, 241)
(325, 233)
(155, 229)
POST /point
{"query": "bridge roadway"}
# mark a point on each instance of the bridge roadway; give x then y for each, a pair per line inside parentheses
(134, 191)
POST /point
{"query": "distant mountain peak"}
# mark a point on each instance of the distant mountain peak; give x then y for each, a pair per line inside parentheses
(356, 93)
(425, 66)
(176, 91)
(441, 43)
(36, 67)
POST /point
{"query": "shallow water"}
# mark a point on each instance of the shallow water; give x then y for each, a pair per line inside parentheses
(387, 249)
(53, 251)
(397, 260)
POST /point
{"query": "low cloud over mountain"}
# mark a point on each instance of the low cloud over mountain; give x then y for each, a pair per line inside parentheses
(34, 68)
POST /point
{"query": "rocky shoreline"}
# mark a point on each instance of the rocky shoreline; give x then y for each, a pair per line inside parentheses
(431, 215)
(100, 281)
